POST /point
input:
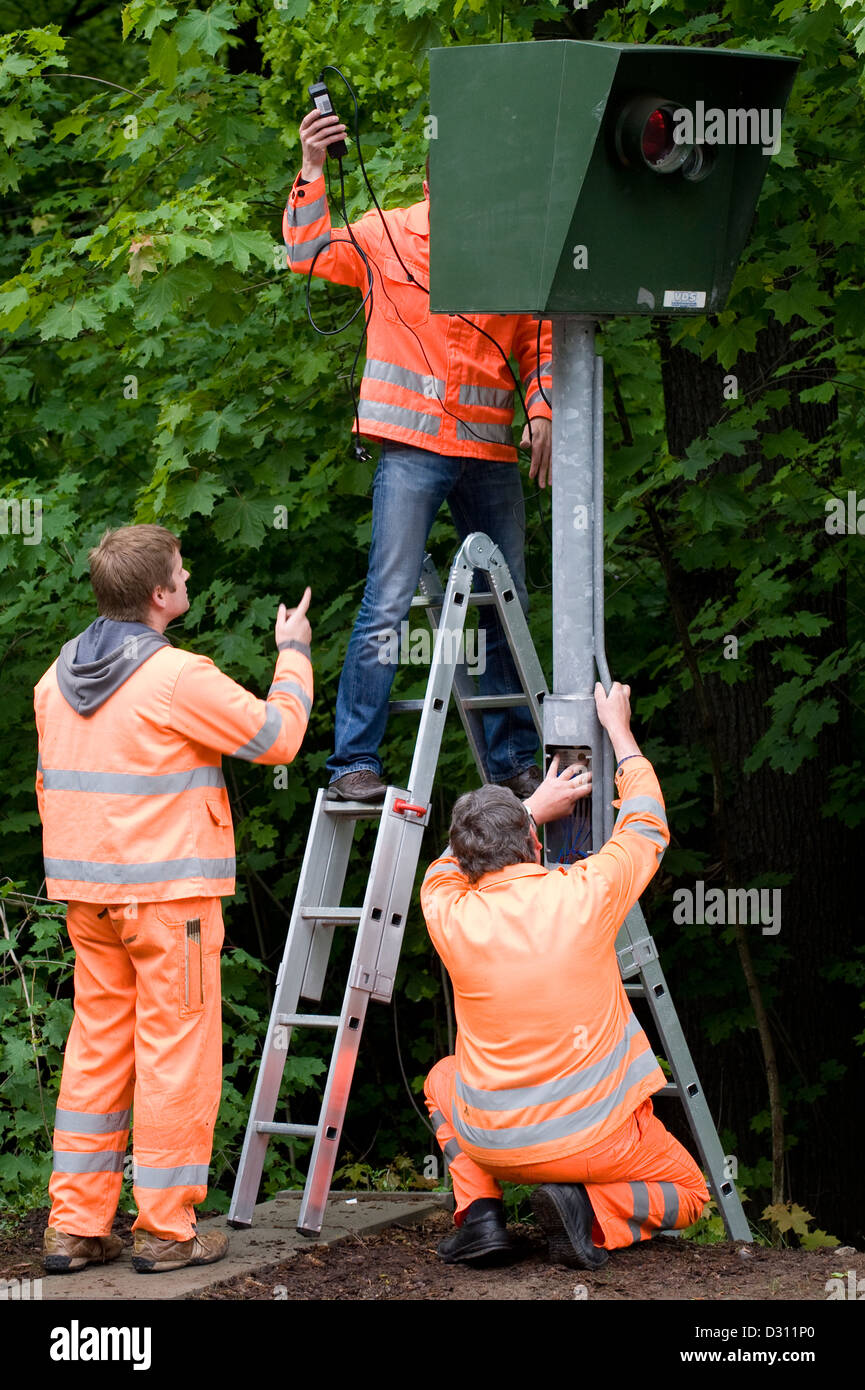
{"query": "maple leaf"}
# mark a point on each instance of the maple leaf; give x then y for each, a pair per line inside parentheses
(143, 256)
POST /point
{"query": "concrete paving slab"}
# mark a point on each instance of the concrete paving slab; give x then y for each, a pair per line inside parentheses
(272, 1239)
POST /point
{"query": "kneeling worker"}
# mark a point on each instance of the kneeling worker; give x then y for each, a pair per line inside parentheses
(138, 840)
(552, 1077)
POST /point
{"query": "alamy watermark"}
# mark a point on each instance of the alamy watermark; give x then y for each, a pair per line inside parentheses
(717, 907)
(736, 126)
(415, 647)
(21, 516)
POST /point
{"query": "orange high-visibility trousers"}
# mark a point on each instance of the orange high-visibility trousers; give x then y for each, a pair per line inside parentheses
(639, 1179)
(146, 1036)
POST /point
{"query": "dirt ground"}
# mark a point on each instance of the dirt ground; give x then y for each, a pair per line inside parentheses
(400, 1263)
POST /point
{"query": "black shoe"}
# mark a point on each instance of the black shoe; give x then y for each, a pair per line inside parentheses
(482, 1235)
(357, 786)
(565, 1215)
(525, 782)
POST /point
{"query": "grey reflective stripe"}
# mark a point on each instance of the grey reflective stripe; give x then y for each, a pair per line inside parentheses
(106, 1161)
(546, 368)
(130, 783)
(265, 738)
(641, 1209)
(292, 688)
(535, 396)
(161, 870)
(305, 250)
(305, 213)
(437, 1119)
(649, 832)
(376, 370)
(490, 434)
(563, 1126)
(451, 1150)
(187, 1175)
(642, 803)
(292, 646)
(671, 1206)
(86, 1122)
(492, 396)
(521, 1097)
(378, 411)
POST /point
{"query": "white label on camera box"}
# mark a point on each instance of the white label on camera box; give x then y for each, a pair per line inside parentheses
(684, 299)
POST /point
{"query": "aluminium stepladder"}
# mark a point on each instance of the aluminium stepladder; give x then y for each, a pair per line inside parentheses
(381, 918)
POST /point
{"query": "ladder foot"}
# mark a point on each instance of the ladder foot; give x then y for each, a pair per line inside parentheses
(309, 1232)
(239, 1225)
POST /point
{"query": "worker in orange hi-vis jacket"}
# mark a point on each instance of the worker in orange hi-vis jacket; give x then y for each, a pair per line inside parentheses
(138, 840)
(438, 395)
(552, 1078)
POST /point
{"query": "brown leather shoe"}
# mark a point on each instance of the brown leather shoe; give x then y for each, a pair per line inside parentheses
(153, 1255)
(357, 786)
(63, 1253)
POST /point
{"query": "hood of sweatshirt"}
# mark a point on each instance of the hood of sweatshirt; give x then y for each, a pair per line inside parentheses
(91, 667)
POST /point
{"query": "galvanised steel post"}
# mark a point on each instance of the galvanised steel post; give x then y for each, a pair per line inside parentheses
(570, 718)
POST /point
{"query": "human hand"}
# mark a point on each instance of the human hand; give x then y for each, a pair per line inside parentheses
(292, 624)
(614, 713)
(559, 791)
(541, 444)
(316, 133)
(614, 710)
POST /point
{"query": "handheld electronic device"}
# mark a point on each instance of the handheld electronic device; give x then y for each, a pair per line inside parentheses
(323, 104)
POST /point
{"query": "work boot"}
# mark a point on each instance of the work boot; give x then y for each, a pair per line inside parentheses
(482, 1234)
(565, 1215)
(357, 786)
(63, 1253)
(153, 1255)
(525, 782)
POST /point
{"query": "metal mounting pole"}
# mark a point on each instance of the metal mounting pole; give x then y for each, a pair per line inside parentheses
(570, 719)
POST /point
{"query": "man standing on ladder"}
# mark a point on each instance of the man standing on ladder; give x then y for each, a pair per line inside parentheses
(552, 1078)
(138, 841)
(438, 394)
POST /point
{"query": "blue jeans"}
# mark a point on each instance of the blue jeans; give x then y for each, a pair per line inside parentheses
(410, 486)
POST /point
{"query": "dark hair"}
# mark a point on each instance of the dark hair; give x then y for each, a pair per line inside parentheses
(490, 829)
(127, 565)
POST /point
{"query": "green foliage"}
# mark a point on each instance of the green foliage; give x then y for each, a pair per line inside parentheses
(35, 1014)
(789, 1218)
(157, 364)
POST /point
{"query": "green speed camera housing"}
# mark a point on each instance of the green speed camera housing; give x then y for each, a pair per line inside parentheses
(596, 178)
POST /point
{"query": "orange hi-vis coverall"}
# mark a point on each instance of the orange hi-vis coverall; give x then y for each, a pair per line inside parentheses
(430, 380)
(138, 840)
(552, 1077)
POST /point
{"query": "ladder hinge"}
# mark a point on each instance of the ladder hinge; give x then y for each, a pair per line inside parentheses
(362, 977)
(634, 957)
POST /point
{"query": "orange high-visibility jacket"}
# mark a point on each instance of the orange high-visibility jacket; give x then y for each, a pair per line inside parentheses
(430, 380)
(549, 1056)
(132, 795)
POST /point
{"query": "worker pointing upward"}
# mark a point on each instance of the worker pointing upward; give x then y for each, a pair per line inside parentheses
(437, 395)
(138, 841)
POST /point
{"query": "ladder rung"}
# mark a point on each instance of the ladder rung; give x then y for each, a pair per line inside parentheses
(470, 702)
(436, 600)
(294, 1131)
(671, 1089)
(308, 1020)
(330, 914)
(352, 808)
